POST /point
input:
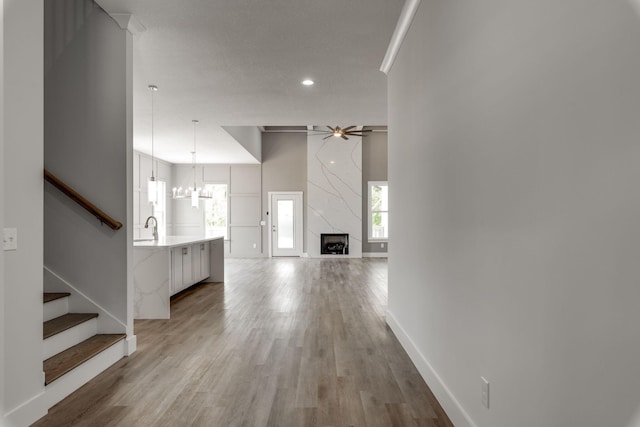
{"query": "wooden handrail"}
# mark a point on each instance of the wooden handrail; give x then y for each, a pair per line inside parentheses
(76, 197)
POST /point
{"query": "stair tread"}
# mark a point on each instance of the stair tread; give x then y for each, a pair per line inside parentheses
(58, 365)
(52, 296)
(64, 322)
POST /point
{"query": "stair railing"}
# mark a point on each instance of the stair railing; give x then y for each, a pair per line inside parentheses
(76, 197)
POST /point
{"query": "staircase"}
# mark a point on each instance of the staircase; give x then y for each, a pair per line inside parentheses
(73, 350)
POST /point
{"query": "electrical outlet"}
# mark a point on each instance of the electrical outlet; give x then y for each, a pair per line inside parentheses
(485, 392)
(382, 245)
(255, 245)
(10, 239)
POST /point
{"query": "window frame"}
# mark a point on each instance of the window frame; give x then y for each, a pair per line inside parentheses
(370, 211)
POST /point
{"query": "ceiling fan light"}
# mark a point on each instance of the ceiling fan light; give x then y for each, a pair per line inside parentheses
(308, 82)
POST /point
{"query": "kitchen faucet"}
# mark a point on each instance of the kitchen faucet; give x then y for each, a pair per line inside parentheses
(155, 226)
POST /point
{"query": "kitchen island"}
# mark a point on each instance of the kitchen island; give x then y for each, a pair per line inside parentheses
(166, 266)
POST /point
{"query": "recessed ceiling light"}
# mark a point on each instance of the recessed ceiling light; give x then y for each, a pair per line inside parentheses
(308, 82)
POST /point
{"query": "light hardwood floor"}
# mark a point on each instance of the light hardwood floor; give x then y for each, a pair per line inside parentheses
(284, 342)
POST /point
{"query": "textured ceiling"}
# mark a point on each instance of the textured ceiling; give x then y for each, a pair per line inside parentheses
(240, 62)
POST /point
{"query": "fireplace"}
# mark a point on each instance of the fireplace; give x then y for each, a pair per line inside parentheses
(334, 244)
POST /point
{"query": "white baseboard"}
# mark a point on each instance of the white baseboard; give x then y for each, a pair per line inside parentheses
(27, 413)
(131, 344)
(375, 255)
(447, 400)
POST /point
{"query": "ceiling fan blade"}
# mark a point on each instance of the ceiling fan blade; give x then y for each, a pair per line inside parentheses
(343, 137)
(348, 128)
(327, 137)
(332, 129)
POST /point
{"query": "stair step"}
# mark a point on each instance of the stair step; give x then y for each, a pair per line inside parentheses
(58, 365)
(64, 322)
(52, 296)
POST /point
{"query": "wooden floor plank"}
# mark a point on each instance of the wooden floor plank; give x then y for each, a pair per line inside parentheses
(284, 342)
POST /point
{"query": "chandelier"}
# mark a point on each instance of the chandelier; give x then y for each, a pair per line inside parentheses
(194, 193)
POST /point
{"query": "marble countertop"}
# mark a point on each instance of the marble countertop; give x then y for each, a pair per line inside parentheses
(173, 241)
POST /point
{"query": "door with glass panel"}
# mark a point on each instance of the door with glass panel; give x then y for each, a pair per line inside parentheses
(285, 215)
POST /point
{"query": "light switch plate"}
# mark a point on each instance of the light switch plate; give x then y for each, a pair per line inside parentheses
(10, 239)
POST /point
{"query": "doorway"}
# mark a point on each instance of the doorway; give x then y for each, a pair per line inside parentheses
(285, 222)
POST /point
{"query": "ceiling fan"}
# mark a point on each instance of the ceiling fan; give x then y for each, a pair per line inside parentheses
(339, 132)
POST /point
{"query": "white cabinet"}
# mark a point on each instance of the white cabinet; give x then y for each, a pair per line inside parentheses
(200, 261)
(205, 260)
(196, 262)
(189, 265)
(181, 275)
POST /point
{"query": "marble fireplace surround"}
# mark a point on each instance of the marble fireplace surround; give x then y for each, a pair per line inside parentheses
(334, 187)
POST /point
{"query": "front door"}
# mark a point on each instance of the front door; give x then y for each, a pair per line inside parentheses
(286, 223)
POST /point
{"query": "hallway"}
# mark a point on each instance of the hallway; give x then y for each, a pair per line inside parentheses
(285, 342)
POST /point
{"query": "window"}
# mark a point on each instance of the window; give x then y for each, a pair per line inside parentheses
(378, 211)
(215, 210)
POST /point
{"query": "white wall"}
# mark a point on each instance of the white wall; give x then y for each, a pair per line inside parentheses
(244, 186)
(88, 145)
(2, 319)
(22, 197)
(284, 168)
(514, 162)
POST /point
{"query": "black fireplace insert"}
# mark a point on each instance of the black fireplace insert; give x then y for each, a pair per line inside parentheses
(334, 244)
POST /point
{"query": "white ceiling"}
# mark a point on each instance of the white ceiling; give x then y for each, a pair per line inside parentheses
(240, 62)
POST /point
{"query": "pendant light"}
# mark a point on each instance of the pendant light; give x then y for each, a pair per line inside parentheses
(194, 193)
(152, 187)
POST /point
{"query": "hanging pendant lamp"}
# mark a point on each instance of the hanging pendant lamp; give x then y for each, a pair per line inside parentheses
(194, 193)
(152, 185)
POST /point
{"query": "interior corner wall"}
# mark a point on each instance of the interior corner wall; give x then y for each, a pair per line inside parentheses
(284, 168)
(22, 195)
(2, 183)
(87, 137)
(374, 168)
(514, 160)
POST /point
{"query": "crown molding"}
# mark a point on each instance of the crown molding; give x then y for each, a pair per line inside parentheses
(402, 28)
(129, 22)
